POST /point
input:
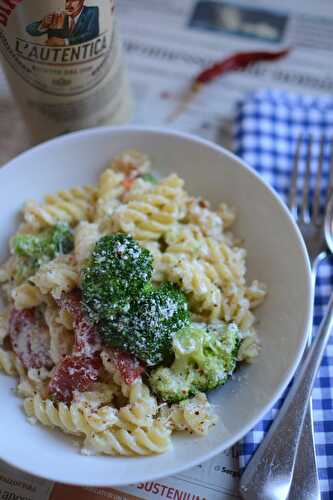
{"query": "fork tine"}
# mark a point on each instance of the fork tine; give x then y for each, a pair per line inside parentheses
(330, 177)
(305, 214)
(316, 196)
(292, 199)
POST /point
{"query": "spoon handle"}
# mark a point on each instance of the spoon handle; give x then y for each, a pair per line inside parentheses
(305, 482)
(268, 475)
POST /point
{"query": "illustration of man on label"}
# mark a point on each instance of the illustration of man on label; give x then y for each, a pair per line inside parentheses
(76, 24)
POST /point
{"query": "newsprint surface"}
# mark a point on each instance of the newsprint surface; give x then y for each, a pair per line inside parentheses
(167, 42)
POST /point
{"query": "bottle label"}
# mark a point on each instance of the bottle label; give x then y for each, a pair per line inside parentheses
(61, 48)
(64, 63)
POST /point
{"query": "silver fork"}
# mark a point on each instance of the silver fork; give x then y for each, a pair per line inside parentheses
(297, 464)
(305, 482)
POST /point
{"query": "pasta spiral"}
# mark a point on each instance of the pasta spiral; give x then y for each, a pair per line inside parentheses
(256, 293)
(26, 388)
(136, 190)
(154, 212)
(100, 394)
(208, 221)
(191, 275)
(186, 239)
(155, 439)
(215, 285)
(191, 415)
(249, 348)
(65, 319)
(86, 236)
(110, 189)
(57, 276)
(74, 419)
(7, 362)
(8, 269)
(70, 206)
(227, 214)
(26, 296)
(130, 162)
(155, 249)
(113, 185)
(142, 407)
(33, 382)
(228, 262)
(133, 392)
(61, 339)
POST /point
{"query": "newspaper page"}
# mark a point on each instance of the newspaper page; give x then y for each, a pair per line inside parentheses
(216, 479)
(167, 43)
(171, 41)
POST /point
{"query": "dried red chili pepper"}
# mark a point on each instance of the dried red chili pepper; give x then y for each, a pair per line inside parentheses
(240, 60)
(235, 62)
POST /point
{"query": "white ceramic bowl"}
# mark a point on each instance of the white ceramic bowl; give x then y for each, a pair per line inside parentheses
(276, 256)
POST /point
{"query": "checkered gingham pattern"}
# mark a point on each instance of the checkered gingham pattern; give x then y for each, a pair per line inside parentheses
(266, 129)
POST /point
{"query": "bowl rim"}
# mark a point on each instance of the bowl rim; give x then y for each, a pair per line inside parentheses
(189, 137)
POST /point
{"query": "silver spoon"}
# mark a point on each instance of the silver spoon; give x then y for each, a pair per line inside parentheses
(272, 462)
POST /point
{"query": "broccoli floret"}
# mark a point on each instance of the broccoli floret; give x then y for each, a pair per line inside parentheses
(118, 270)
(147, 328)
(34, 250)
(149, 178)
(47, 244)
(130, 313)
(204, 359)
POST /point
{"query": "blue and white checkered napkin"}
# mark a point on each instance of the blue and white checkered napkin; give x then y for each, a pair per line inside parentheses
(266, 129)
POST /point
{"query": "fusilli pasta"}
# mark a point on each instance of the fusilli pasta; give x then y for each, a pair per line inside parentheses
(26, 296)
(154, 212)
(204, 296)
(74, 419)
(192, 415)
(155, 439)
(256, 293)
(110, 189)
(249, 347)
(186, 239)
(131, 162)
(7, 270)
(61, 339)
(70, 206)
(68, 374)
(7, 362)
(100, 394)
(58, 276)
(142, 407)
(31, 381)
(209, 222)
(227, 214)
(86, 235)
